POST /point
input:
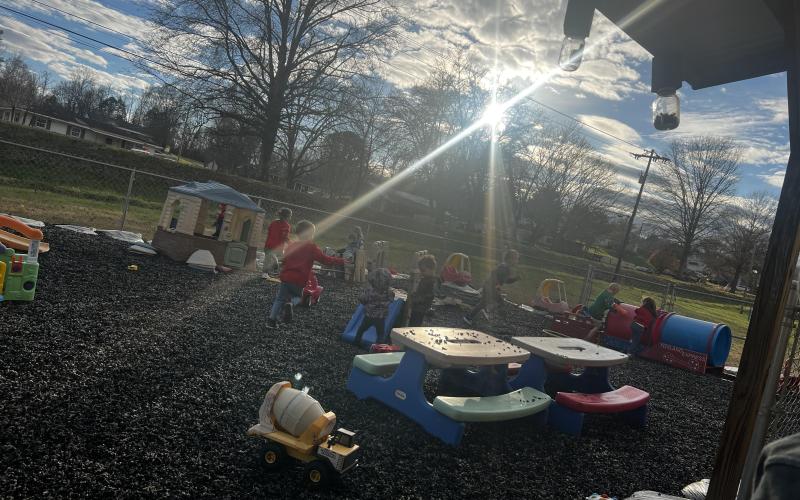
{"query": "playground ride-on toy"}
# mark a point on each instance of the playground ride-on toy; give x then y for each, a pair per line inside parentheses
(296, 427)
(543, 300)
(313, 291)
(456, 278)
(370, 337)
(675, 340)
(19, 272)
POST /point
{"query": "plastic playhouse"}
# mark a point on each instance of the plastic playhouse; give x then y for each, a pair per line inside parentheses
(296, 427)
(676, 340)
(456, 277)
(544, 301)
(214, 217)
(18, 271)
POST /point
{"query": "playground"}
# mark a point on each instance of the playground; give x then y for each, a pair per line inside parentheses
(123, 382)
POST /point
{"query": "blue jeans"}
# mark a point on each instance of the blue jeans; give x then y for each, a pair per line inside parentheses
(637, 331)
(286, 292)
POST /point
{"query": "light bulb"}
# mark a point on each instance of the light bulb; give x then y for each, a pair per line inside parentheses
(666, 111)
(571, 53)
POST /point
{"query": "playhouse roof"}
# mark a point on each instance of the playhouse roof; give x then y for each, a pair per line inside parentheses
(220, 193)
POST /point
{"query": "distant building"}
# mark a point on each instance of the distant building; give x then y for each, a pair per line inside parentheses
(97, 131)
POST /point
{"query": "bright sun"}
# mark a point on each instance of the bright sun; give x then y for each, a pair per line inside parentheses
(494, 115)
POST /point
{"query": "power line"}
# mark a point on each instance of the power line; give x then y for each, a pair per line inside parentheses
(44, 4)
(84, 36)
(391, 65)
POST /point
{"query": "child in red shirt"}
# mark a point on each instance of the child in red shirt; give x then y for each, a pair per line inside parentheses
(277, 238)
(297, 263)
(644, 317)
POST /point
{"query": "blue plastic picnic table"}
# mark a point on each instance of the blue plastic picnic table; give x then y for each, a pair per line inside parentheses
(551, 356)
(427, 347)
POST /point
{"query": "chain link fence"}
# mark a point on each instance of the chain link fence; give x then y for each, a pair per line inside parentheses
(64, 188)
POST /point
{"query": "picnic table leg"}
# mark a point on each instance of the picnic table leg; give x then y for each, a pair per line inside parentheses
(403, 392)
(532, 373)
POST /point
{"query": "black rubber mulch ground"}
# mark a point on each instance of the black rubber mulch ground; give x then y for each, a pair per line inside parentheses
(140, 384)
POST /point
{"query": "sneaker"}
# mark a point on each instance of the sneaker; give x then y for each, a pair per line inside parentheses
(467, 320)
(288, 313)
(271, 324)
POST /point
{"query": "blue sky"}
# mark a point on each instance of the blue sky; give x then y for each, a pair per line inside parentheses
(610, 90)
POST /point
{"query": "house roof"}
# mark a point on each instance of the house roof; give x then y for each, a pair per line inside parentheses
(220, 193)
(111, 128)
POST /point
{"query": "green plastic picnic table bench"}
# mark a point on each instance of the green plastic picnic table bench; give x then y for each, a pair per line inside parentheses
(517, 404)
(381, 363)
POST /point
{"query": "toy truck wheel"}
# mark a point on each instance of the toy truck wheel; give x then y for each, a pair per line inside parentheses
(274, 455)
(317, 474)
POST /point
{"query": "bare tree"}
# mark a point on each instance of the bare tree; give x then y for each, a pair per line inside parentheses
(746, 227)
(250, 59)
(692, 190)
(300, 139)
(18, 85)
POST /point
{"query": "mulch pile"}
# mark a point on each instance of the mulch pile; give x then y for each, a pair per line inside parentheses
(139, 384)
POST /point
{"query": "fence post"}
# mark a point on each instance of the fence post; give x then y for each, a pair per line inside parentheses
(587, 286)
(768, 400)
(127, 200)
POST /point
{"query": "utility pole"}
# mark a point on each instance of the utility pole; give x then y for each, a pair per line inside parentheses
(642, 179)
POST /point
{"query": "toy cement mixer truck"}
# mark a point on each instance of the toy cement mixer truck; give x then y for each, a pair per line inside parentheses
(295, 426)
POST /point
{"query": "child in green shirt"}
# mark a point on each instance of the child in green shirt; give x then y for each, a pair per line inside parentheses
(597, 310)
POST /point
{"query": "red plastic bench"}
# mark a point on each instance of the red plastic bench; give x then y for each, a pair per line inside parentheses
(567, 412)
(626, 398)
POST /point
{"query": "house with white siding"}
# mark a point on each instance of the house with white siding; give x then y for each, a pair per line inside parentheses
(96, 131)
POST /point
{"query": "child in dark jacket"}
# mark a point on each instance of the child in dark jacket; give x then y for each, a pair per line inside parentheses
(422, 298)
(376, 299)
(501, 275)
(297, 263)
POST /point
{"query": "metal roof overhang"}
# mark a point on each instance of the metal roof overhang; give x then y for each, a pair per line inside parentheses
(704, 42)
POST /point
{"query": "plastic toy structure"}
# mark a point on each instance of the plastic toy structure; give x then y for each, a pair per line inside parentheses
(19, 272)
(313, 291)
(296, 427)
(456, 277)
(676, 340)
(214, 217)
(371, 336)
(543, 300)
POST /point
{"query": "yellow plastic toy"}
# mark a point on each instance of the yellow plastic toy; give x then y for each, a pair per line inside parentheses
(295, 426)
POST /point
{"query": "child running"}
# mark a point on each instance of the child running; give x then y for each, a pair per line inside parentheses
(376, 299)
(503, 274)
(422, 298)
(277, 239)
(297, 264)
(598, 309)
(645, 315)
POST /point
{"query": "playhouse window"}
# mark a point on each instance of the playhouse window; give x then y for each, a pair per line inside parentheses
(245, 234)
(176, 213)
(40, 122)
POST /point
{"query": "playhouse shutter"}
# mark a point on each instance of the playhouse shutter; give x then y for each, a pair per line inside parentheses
(48, 123)
(83, 133)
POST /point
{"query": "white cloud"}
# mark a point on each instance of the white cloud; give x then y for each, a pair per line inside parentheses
(526, 37)
(61, 56)
(755, 131)
(774, 178)
(43, 45)
(778, 107)
(93, 11)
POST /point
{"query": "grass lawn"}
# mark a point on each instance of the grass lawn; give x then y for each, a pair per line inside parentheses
(102, 209)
